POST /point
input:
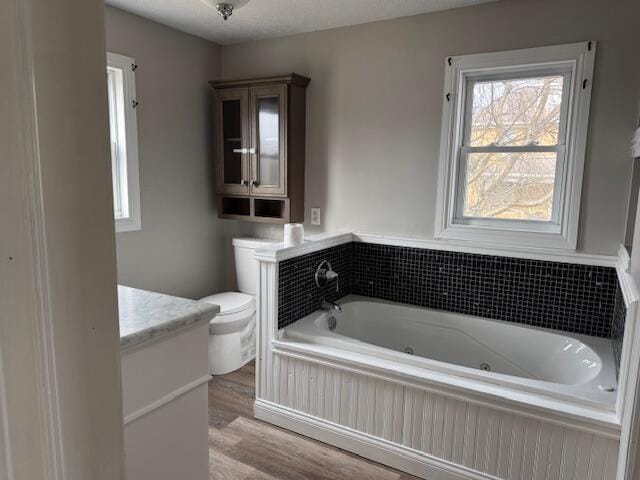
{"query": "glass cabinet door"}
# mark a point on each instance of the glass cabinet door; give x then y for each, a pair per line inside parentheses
(268, 112)
(232, 141)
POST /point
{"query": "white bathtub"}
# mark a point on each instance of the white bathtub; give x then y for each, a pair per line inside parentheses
(567, 367)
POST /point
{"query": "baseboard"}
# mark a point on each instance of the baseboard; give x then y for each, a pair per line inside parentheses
(373, 448)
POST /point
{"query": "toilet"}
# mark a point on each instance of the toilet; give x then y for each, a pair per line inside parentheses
(232, 333)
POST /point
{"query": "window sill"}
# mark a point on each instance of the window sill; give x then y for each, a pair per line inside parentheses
(127, 225)
(508, 239)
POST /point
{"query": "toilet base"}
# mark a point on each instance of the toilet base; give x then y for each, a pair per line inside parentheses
(231, 351)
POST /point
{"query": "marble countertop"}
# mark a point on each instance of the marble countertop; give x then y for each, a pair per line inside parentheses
(146, 315)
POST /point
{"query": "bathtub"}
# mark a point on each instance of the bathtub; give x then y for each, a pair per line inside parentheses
(483, 353)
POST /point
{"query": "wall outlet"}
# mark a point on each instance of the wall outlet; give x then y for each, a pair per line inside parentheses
(315, 216)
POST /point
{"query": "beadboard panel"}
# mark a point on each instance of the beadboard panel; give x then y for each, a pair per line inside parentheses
(488, 441)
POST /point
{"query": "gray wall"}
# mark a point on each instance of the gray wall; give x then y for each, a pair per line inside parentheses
(181, 247)
(375, 103)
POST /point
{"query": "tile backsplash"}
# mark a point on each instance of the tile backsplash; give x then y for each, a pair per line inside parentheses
(563, 296)
(617, 327)
(298, 295)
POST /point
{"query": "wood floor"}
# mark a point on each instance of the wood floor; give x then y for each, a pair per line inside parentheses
(243, 448)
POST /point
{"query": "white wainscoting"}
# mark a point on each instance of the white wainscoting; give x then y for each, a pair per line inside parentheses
(414, 428)
(438, 431)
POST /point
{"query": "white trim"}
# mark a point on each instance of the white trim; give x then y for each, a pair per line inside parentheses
(629, 378)
(376, 449)
(627, 284)
(133, 221)
(631, 297)
(624, 260)
(48, 398)
(480, 249)
(162, 401)
(6, 461)
(630, 435)
(276, 252)
(579, 57)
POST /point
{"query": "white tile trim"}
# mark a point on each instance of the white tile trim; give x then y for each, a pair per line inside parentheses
(277, 252)
(480, 249)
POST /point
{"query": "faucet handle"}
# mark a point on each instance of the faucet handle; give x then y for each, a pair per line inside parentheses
(324, 274)
(331, 275)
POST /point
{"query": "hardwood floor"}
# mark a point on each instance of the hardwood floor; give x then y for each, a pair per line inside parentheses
(243, 448)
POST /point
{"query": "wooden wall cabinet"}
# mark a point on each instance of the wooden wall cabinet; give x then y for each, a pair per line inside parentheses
(259, 148)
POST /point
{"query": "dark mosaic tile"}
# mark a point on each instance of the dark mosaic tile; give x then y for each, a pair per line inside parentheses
(563, 296)
(617, 327)
(298, 295)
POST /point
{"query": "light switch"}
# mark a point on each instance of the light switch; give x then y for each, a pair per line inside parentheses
(315, 216)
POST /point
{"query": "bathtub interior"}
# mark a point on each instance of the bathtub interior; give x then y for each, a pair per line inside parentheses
(570, 367)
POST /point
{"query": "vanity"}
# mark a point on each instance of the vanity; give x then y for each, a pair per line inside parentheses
(164, 368)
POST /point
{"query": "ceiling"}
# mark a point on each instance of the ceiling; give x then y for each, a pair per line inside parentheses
(260, 19)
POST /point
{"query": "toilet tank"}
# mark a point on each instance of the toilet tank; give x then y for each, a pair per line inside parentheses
(244, 250)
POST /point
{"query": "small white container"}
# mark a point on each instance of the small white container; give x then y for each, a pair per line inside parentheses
(293, 234)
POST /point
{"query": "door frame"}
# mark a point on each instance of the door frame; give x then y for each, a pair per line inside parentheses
(47, 365)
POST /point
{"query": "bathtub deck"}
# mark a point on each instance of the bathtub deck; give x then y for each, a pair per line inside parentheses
(242, 448)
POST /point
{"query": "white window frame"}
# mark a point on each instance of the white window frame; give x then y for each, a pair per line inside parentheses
(575, 62)
(126, 180)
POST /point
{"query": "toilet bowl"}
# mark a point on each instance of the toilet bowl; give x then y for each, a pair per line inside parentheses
(232, 333)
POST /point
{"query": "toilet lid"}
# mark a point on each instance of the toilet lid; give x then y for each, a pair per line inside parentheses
(231, 302)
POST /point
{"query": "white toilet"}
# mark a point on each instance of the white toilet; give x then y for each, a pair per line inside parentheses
(232, 333)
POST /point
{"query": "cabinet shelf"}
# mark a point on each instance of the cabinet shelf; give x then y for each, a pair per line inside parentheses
(256, 209)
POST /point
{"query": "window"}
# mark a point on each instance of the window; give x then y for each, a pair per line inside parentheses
(124, 142)
(513, 146)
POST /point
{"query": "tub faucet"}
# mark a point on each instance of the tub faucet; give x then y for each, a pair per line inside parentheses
(330, 306)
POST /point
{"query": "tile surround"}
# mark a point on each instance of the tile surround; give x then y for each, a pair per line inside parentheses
(563, 296)
(298, 294)
(617, 327)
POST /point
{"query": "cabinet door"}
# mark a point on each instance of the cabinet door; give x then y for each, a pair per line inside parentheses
(268, 112)
(232, 140)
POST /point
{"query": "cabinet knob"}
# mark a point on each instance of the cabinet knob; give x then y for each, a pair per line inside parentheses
(239, 150)
(251, 150)
(254, 183)
(243, 182)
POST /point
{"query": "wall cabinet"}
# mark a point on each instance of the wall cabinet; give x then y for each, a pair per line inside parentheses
(259, 138)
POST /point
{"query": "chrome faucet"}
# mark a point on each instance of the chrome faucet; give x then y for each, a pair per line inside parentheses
(330, 306)
(325, 274)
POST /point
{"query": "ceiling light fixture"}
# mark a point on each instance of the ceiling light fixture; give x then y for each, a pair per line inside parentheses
(225, 10)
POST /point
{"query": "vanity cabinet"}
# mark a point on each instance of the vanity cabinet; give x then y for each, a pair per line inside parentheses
(259, 148)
